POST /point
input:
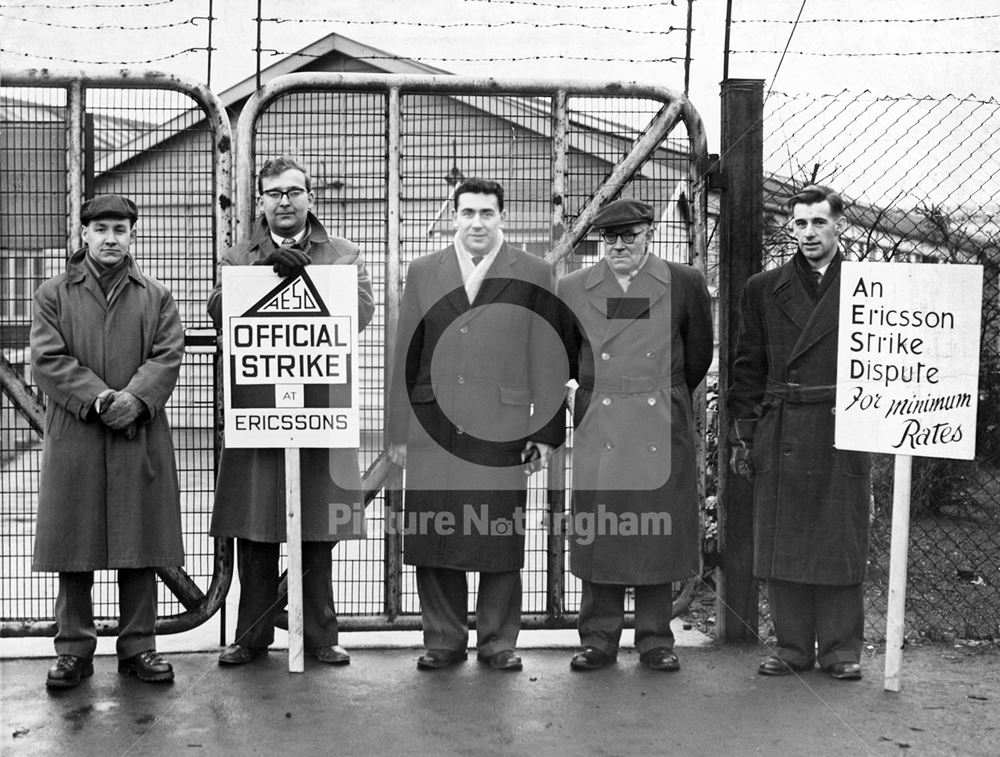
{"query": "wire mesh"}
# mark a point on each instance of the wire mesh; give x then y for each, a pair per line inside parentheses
(920, 178)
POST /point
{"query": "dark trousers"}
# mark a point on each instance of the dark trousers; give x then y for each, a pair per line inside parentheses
(259, 600)
(809, 615)
(76, 633)
(444, 602)
(602, 616)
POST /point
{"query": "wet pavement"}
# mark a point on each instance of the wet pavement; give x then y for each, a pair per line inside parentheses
(381, 704)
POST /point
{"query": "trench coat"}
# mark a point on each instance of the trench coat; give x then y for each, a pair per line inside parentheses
(466, 418)
(636, 363)
(105, 501)
(250, 488)
(811, 500)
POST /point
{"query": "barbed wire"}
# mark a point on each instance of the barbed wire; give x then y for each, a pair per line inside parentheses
(515, 59)
(87, 6)
(907, 97)
(864, 20)
(105, 62)
(483, 25)
(560, 6)
(172, 25)
(865, 55)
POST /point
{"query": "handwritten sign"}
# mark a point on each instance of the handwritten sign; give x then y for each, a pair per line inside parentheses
(908, 358)
(290, 349)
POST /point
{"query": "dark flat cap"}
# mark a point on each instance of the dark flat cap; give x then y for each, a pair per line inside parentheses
(108, 206)
(622, 213)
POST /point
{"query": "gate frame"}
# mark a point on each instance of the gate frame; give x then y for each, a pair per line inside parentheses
(199, 606)
(676, 109)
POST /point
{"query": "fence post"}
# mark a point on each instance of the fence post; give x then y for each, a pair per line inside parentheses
(740, 255)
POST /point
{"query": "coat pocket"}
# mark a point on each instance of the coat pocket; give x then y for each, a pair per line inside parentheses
(854, 464)
(422, 393)
(515, 395)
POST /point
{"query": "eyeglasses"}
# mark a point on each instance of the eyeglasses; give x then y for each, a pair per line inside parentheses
(293, 193)
(627, 237)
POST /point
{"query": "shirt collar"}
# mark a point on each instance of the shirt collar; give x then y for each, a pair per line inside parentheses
(279, 240)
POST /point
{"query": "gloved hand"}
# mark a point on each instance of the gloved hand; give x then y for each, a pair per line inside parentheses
(739, 461)
(123, 412)
(287, 261)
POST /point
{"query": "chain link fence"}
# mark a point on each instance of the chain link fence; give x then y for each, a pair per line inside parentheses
(921, 178)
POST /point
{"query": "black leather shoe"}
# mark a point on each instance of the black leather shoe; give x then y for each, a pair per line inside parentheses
(505, 659)
(331, 655)
(440, 658)
(775, 666)
(68, 671)
(147, 666)
(237, 654)
(591, 658)
(660, 658)
(845, 671)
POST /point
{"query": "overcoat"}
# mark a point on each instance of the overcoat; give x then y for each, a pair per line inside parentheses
(811, 500)
(105, 501)
(465, 379)
(639, 355)
(250, 488)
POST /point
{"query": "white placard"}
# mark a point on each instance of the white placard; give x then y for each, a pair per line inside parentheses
(908, 358)
(290, 357)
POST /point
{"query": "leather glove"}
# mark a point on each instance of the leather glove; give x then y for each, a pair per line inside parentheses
(739, 461)
(287, 261)
(123, 412)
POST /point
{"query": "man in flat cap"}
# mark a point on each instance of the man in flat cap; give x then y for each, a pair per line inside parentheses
(642, 342)
(106, 349)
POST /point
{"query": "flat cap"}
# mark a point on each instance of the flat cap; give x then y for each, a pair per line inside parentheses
(622, 213)
(108, 206)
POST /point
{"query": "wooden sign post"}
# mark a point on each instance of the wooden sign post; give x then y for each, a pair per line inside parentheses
(907, 385)
(290, 347)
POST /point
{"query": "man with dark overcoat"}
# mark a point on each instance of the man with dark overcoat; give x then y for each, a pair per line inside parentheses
(250, 490)
(811, 500)
(641, 343)
(476, 401)
(106, 350)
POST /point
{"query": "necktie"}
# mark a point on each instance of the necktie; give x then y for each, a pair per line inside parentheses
(477, 259)
(817, 277)
(288, 242)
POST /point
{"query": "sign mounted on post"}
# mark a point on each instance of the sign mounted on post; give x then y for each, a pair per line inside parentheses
(908, 358)
(290, 357)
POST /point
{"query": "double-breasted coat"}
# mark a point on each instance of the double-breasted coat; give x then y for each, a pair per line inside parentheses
(811, 500)
(106, 501)
(250, 488)
(637, 358)
(465, 379)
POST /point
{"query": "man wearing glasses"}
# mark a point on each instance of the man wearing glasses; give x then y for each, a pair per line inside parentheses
(641, 342)
(249, 494)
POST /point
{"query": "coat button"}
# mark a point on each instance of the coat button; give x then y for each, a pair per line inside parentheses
(606, 401)
(459, 429)
(608, 446)
(651, 448)
(463, 330)
(605, 356)
(461, 379)
(651, 401)
(650, 354)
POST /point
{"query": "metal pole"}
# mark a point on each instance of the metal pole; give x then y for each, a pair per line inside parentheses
(725, 47)
(899, 543)
(74, 163)
(687, 49)
(258, 20)
(211, 18)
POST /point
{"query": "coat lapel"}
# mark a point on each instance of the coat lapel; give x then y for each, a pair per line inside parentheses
(824, 316)
(651, 284)
(450, 278)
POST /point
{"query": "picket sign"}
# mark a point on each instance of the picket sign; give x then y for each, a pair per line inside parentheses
(290, 381)
(907, 385)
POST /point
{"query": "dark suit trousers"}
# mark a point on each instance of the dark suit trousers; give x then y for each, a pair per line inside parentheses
(76, 633)
(807, 615)
(444, 602)
(602, 616)
(259, 601)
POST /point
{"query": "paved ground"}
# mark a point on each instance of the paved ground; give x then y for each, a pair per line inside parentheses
(380, 704)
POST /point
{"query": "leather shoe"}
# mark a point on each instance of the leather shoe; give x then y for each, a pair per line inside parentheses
(660, 658)
(845, 671)
(68, 671)
(591, 658)
(775, 666)
(505, 659)
(331, 655)
(440, 658)
(147, 666)
(237, 654)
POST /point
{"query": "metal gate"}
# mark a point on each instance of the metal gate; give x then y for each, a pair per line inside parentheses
(165, 142)
(385, 153)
